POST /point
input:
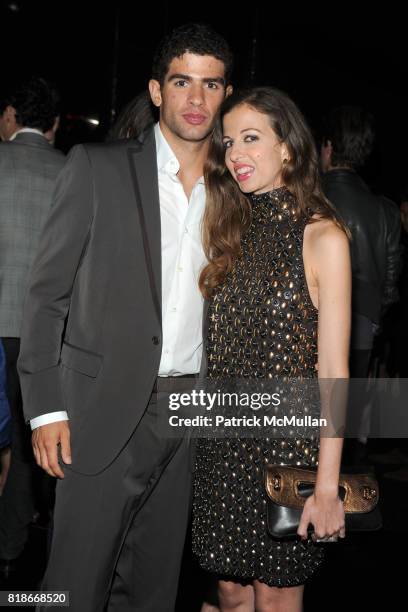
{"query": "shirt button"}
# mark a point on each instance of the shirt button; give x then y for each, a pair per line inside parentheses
(156, 340)
(174, 309)
(179, 269)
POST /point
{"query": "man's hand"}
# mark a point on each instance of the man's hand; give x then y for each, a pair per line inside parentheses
(45, 441)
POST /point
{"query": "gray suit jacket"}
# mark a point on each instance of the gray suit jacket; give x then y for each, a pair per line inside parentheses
(91, 340)
(28, 169)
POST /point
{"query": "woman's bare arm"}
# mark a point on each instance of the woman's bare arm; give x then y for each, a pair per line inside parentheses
(327, 265)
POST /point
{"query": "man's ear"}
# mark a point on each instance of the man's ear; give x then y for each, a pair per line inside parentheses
(10, 113)
(11, 125)
(155, 92)
(228, 90)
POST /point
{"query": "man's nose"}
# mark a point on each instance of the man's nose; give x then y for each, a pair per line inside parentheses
(196, 96)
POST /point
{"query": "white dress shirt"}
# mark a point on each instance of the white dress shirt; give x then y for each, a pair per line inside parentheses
(182, 261)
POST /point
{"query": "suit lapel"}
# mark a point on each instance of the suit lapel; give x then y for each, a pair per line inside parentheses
(143, 168)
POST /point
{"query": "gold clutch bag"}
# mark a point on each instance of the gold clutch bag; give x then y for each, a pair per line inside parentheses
(288, 487)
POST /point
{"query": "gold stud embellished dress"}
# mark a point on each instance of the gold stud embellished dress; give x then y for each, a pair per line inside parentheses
(266, 295)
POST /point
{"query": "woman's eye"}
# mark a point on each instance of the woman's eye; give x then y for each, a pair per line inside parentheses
(250, 138)
(227, 144)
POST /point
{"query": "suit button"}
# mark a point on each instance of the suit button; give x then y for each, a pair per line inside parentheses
(155, 340)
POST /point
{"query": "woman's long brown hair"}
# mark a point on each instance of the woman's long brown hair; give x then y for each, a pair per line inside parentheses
(228, 211)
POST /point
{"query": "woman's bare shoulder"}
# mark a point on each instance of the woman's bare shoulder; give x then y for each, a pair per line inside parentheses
(325, 234)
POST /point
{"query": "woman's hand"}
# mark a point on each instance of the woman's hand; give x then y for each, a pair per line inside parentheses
(325, 511)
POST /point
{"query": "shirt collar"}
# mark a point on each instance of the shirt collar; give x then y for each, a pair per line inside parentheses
(167, 162)
(27, 131)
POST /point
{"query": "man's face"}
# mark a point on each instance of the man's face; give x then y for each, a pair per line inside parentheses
(3, 126)
(8, 124)
(404, 215)
(190, 96)
(326, 151)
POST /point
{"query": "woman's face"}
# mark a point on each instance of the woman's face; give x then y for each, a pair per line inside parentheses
(253, 154)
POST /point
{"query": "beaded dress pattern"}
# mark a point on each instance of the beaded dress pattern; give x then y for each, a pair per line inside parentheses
(263, 325)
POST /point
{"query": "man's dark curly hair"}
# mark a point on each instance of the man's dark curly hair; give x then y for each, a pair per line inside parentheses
(196, 38)
(350, 129)
(36, 103)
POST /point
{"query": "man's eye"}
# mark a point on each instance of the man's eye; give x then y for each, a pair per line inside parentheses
(212, 85)
(181, 83)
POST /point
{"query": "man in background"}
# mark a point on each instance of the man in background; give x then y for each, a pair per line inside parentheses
(372, 220)
(375, 251)
(28, 168)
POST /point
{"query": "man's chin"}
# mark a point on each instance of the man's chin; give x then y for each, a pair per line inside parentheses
(194, 133)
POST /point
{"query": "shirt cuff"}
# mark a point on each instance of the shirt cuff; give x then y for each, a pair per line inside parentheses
(50, 417)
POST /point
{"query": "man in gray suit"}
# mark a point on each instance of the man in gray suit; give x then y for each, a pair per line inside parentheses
(28, 168)
(113, 319)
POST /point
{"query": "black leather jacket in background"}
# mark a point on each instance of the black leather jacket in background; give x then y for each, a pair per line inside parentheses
(375, 227)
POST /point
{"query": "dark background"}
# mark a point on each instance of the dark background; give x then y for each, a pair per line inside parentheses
(323, 56)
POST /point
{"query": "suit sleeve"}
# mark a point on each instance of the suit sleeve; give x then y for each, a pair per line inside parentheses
(393, 254)
(61, 247)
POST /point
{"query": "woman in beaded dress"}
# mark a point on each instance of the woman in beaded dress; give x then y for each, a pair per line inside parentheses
(278, 288)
